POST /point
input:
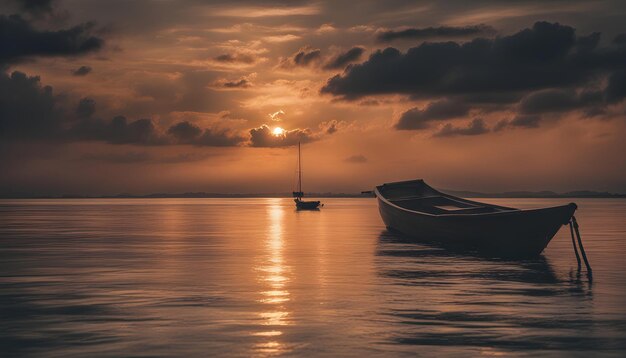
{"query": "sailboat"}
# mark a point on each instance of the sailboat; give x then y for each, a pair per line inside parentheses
(301, 204)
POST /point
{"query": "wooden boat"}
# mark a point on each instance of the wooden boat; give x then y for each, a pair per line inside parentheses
(417, 210)
(301, 204)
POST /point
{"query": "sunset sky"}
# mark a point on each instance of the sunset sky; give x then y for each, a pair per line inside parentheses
(144, 96)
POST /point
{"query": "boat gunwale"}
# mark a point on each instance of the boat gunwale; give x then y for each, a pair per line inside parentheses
(457, 215)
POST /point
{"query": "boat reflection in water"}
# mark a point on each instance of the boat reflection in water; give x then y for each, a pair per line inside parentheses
(273, 274)
(450, 299)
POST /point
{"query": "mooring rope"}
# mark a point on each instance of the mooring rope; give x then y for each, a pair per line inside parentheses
(573, 224)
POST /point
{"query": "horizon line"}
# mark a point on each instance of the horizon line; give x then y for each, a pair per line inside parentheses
(201, 194)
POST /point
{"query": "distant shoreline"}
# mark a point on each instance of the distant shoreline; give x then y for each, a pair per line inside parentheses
(202, 195)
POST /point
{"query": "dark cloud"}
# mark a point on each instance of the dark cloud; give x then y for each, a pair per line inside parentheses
(588, 43)
(189, 133)
(416, 118)
(218, 138)
(616, 89)
(82, 71)
(620, 39)
(117, 131)
(27, 109)
(185, 132)
(263, 136)
(521, 120)
(86, 108)
(36, 7)
(545, 56)
(475, 127)
(594, 112)
(243, 82)
(340, 61)
(526, 121)
(491, 98)
(357, 158)
(435, 32)
(558, 100)
(304, 57)
(19, 39)
(236, 58)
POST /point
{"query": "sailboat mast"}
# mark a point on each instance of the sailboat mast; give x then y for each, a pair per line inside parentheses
(299, 170)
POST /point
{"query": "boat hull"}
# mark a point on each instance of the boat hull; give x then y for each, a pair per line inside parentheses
(520, 233)
(307, 205)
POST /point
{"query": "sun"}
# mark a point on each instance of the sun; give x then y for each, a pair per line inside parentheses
(278, 131)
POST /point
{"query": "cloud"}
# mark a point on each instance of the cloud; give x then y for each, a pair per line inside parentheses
(277, 116)
(503, 123)
(312, 57)
(542, 57)
(616, 89)
(340, 61)
(185, 132)
(475, 127)
(306, 56)
(263, 136)
(28, 109)
(243, 82)
(233, 58)
(281, 38)
(267, 11)
(357, 159)
(416, 118)
(19, 40)
(82, 71)
(189, 133)
(520, 120)
(526, 121)
(620, 39)
(558, 100)
(117, 131)
(325, 29)
(435, 32)
(36, 7)
(331, 126)
(86, 108)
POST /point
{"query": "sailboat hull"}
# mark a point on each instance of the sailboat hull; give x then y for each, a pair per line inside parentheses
(306, 205)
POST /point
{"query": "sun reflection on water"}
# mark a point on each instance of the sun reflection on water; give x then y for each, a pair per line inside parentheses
(273, 273)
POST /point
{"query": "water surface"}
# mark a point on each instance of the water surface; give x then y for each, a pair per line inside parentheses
(241, 277)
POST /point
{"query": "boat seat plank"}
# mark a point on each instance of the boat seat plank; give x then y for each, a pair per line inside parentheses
(415, 197)
(474, 210)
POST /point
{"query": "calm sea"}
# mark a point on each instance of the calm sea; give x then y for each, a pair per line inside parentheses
(253, 277)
